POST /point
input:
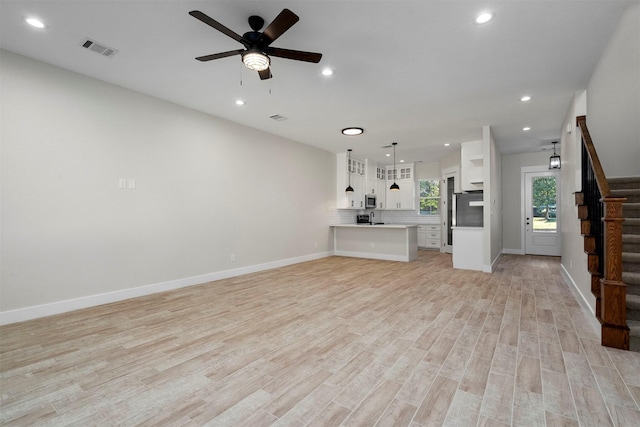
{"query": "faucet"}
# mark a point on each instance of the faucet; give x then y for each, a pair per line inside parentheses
(371, 215)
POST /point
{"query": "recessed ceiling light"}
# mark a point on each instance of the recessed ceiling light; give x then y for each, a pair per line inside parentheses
(401, 161)
(526, 128)
(34, 22)
(352, 131)
(327, 72)
(388, 154)
(447, 144)
(239, 102)
(525, 98)
(483, 18)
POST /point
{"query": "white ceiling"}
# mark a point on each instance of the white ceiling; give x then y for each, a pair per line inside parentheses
(421, 73)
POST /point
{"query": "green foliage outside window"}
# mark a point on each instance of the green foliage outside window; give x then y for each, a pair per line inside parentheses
(430, 197)
(544, 197)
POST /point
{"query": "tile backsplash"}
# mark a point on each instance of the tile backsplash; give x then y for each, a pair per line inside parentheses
(348, 216)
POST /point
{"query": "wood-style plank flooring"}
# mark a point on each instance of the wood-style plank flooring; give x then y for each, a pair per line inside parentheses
(332, 342)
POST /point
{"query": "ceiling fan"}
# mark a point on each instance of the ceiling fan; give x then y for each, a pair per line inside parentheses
(255, 55)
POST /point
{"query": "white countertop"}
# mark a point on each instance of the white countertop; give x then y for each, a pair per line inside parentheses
(376, 225)
(467, 228)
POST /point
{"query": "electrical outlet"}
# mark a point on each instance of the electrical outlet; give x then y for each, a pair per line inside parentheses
(232, 257)
(122, 183)
(131, 183)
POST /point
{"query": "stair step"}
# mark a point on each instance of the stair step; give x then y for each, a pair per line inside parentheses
(631, 210)
(634, 335)
(633, 302)
(634, 328)
(631, 243)
(632, 195)
(633, 282)
(631, 226)
(624, 182)
(631, 262)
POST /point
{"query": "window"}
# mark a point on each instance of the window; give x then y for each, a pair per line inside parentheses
(430, 197)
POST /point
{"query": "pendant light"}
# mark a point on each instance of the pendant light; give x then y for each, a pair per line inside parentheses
(349, 188)
(554, 160)
(394, 186)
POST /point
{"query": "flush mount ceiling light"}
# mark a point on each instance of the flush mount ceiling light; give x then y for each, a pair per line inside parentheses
(352, 131)
(526, 128)
(554, 160)
(394, 186)
(255, 60)
(327, 72)
(447, 144)
(349, 188)
(525, 98)
(34, 22)
(239, 102)
(483, 18)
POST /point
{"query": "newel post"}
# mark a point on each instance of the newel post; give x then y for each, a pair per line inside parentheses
(615, 332)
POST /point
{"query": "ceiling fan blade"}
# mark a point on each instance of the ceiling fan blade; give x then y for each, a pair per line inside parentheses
(219, 55)
(265, 74)
(218, 26)
(297, 55)
(282, 23)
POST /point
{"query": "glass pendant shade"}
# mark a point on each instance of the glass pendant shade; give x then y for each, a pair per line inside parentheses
(255, 60)
(554, 160)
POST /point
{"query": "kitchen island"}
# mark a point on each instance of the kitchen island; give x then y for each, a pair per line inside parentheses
(392, 242)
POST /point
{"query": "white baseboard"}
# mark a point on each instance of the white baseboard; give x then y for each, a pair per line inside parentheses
(512, 251)
(384, 257)
(580, 297)
(34, 312)
(490, 268)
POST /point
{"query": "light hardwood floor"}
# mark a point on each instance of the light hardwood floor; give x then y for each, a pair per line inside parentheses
(337, 341)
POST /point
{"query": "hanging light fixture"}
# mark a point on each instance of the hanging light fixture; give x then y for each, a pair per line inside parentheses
(554, 160)
(349, 188)
(255, 60)
(394, 186)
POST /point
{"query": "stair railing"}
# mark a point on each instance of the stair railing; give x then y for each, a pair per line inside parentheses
(602, 226)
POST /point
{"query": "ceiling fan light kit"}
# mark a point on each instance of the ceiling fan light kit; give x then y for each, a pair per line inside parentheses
(255, 60)
(255, 55)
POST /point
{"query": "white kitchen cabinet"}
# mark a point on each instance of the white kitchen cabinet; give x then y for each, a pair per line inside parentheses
(472, 167)
(356, 174)
(429, 236)
(468, 248)
(405, 197)
(381, 186)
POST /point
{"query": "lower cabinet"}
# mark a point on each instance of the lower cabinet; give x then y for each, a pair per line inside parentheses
(429, 236)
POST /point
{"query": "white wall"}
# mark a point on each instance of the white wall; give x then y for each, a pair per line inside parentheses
(512, 196)
(492, 195)
(574, 259)
(205, 189)
(613, 103)
(427, 170)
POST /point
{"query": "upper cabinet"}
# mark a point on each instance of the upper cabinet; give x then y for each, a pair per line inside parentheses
(367, 177)
(472, 167)
(405, 197)
(350, 172)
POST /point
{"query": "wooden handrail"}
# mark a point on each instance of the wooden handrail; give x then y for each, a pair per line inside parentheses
(603, 244)
(601, 180)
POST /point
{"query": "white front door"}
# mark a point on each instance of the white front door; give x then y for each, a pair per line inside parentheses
(542, 213)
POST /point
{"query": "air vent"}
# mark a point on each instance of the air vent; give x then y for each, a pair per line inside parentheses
(98, 47)
(277, 117)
